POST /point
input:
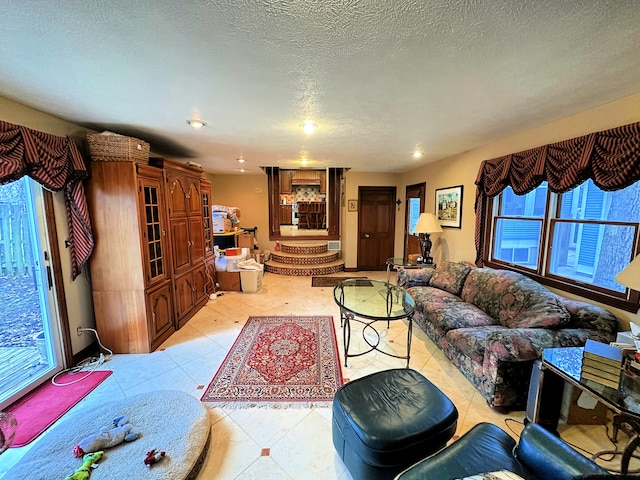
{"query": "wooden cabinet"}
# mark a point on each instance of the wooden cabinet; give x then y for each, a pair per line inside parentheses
(285, 181)
(286, 214)
(130, 265)
(149, 252)
(323, 182)
(186, 224)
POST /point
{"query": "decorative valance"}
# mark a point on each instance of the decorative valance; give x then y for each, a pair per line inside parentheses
(56, 163)
(610, 158)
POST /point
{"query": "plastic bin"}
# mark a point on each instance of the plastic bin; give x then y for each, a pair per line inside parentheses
(251, 280)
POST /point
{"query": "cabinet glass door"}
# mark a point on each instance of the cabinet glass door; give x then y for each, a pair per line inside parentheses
(154, 232)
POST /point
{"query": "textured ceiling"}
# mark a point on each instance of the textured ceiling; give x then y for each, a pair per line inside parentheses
(378, 77)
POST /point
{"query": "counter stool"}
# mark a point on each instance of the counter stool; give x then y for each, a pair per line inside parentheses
(386, 421)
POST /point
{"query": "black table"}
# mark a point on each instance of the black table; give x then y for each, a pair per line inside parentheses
(560, 365)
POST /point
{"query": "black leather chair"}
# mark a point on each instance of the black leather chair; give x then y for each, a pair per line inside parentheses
(539, 455)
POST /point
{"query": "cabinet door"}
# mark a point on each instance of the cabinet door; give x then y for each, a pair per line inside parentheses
(205, 190)
(285, 181)
(160, 312)
(200, 281)
(180, 243)
(323, 182)
(194, 198)
(196, 240)
(154, 238)
(286, 213)
(185, 291)
(178, 193)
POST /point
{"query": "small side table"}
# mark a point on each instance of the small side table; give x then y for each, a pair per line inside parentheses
(405, 263)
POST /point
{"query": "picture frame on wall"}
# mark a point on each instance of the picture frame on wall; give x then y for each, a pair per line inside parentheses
(449, 206)
(352, 205)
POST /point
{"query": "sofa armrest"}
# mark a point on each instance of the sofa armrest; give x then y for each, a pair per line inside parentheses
(413, 277)
(547, 456)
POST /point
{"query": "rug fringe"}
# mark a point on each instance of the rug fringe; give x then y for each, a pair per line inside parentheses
(234, 405)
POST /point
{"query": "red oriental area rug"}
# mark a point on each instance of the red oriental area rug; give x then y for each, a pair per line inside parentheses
(279, 362)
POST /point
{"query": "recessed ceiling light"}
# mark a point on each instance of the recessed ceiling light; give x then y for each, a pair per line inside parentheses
(417, 154)
(195, 123)
(308, 126)
(241, 160)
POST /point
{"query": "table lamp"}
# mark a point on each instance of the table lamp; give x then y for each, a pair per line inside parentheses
(630, 277)
(427, 224)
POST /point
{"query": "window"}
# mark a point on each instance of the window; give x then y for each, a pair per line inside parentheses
(577, 241)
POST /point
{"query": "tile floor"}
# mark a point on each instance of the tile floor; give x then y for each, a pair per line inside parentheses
(286, 443)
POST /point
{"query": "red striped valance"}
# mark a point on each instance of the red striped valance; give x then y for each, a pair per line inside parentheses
(56, 163)
(610, 158)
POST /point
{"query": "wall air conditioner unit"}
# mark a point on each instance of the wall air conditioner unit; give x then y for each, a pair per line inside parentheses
(333, 245)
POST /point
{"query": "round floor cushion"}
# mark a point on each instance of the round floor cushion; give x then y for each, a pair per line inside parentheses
(170, 421)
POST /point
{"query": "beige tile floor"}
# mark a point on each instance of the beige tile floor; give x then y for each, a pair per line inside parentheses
(286, 443)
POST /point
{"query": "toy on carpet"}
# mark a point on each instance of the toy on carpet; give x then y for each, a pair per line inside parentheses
(153, 457)
(122, 431)
(84, 471)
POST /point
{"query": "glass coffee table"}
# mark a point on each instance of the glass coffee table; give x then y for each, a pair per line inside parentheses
(564, 364)
(368, 301)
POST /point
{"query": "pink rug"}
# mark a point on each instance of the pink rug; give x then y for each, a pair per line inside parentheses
(279, 362)
(39, 409)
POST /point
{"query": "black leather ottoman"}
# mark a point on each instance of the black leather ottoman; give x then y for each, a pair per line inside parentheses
(386, 421)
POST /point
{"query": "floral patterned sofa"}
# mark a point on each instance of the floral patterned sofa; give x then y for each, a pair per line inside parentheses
(492, 324)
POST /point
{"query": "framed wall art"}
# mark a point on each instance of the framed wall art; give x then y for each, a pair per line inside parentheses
(352, 205)
(449, 206)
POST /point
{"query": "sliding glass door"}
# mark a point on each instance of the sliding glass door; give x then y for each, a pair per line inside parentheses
(30, 350)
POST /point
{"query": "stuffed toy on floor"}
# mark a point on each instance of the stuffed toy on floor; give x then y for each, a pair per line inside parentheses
(122, 431)
(84, 471)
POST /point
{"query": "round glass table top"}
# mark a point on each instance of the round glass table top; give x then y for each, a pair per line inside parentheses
(373, 299)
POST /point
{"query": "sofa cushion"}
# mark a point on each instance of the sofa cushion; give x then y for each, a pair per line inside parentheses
(591, 317)
(513, 299)
(450, 276)
(445, 311)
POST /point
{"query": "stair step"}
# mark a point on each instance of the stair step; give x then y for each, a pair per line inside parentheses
(304, 248)
(303, 270)
(304, 258)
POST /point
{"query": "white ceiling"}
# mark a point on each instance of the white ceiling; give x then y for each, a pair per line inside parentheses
(378, 77)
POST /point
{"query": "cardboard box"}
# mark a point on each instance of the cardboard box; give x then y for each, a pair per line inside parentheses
(221, 224)
(573, 414)
(229, 281)
(245, 240)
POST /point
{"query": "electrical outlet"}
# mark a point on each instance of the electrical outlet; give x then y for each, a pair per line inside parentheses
(79, 331)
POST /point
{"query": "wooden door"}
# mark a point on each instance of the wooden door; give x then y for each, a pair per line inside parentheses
(196, 240)
(414, 206)
(180, 243)
(376, 225)
(160, 311)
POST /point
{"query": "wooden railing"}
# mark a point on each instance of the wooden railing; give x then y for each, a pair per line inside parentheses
(16, 257)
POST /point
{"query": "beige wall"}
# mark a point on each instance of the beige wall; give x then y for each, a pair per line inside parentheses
(349, 225)
(250, 194)
(454, 244)
(78, 293)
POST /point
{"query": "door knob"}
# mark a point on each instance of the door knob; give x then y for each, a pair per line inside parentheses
(366, 235)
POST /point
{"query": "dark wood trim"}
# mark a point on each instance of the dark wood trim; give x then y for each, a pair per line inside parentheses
(333, 206)
(56, 267)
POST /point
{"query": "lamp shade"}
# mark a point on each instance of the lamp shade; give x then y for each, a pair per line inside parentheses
(630, 276)
(427, 223)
